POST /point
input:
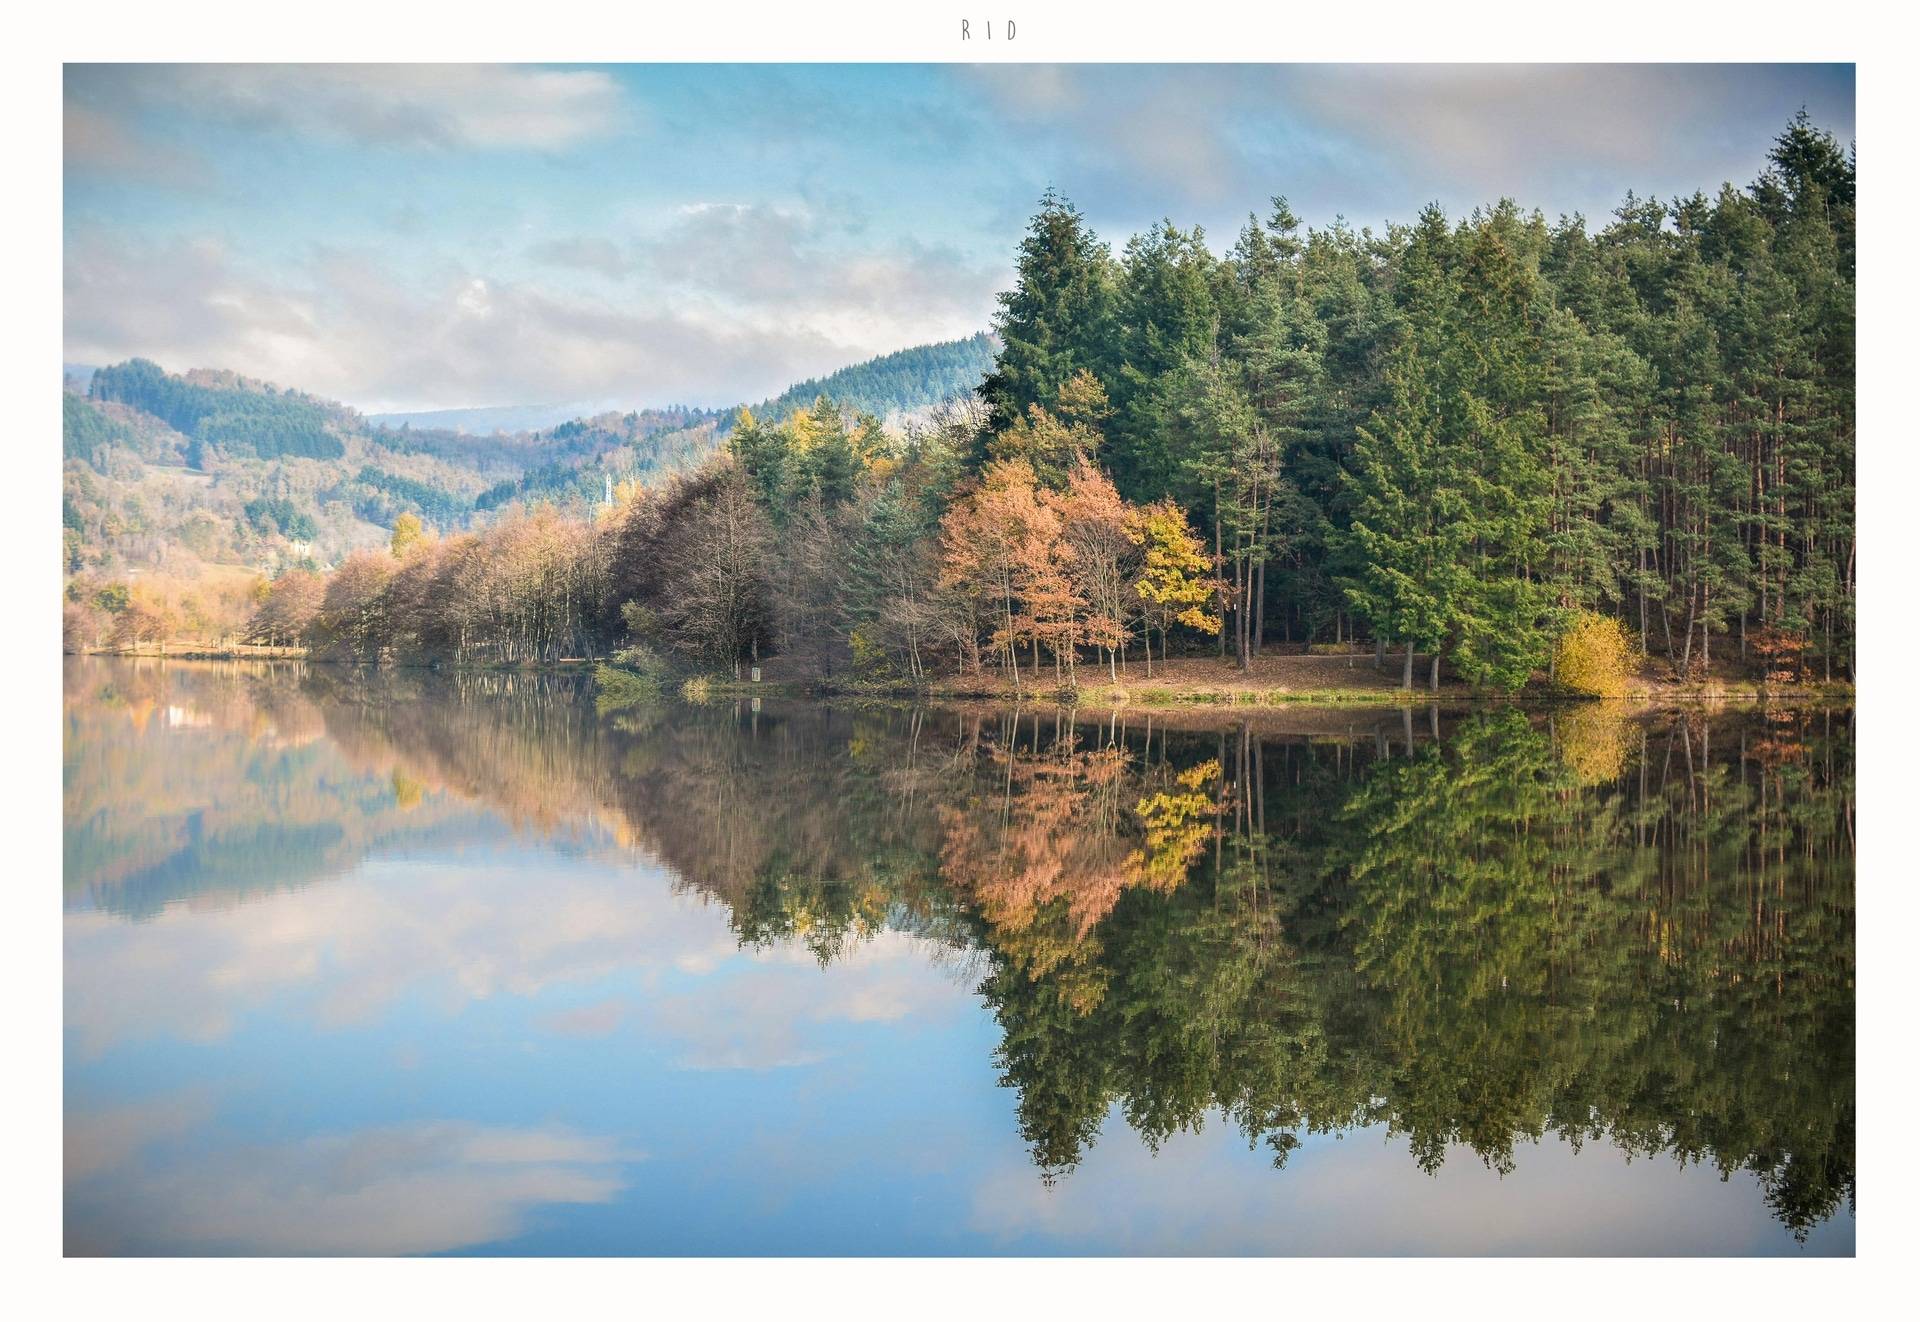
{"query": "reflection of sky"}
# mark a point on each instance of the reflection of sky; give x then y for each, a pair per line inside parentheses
(525, 1049)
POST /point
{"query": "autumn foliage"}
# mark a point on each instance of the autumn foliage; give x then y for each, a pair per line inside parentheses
(1596, 656)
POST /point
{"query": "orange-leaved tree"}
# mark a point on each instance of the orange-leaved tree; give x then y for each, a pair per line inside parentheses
(1000, 544)
(1103, 558)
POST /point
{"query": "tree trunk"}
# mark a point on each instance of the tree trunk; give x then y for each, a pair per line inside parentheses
(1243, 618)
(1406, 671)
(1259, 605)
(1219, 563)
(1433, 678)
(1686, 646)
(1706, 625)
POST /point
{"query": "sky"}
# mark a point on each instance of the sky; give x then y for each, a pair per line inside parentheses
(416, 237)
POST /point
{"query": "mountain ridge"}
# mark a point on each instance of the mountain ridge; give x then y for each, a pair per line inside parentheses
(881, 385)
(175, 471)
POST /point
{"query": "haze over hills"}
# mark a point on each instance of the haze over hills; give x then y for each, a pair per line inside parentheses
(206, 469)
(889, 387)
(486, 419)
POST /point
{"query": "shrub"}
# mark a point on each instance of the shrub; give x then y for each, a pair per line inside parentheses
(1595, 656)
(870, 659)
(616, 688)
(644, 660)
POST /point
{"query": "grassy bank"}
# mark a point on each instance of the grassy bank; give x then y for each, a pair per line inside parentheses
(1272, 681)
(1206, 682)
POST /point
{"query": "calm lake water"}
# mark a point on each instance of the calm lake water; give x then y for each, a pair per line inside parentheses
(419, 964)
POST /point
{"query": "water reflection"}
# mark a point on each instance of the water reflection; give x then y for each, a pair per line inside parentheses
(1473, 932)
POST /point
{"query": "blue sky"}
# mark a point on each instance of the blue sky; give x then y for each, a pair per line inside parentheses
(420, 237)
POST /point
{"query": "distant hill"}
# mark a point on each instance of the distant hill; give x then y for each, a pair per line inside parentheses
(228, 411)
(892, 385)
(896, 383)
(487, 420)
(168, 472)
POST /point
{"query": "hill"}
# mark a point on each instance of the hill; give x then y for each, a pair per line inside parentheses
(890, 387)
(167, 474)
(894, 385)
(486, 420)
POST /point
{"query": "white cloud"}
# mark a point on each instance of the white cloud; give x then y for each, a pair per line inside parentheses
(341, 955)
(386, 105)
(110, 1137)
(584, 252)
(1160, 134)
(777, 265)
(732, 307)
(1362, 1194)
(1378, 141)
(100, 143)
(600, 1019)
(346, 951)
(426, 1187)
(769, 1014)
(1512, 128)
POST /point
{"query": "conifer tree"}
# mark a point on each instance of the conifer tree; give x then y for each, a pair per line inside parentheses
(1054, 321)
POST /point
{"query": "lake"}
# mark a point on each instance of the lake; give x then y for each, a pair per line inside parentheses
(408, 963)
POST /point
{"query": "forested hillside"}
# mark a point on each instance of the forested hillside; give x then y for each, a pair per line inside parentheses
(226, 413)
(894, 384)
(1494, 442)
(199, 484)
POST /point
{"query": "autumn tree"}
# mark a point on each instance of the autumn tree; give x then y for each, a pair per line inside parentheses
(1054, 442)
(709, 586)
(349, 624)
(1175, 585)
(999, 546)
(287, 608)
(407, 534)
(1102, 559)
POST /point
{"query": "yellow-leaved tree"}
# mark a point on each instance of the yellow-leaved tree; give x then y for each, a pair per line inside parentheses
(1174, 586)
(408, 532)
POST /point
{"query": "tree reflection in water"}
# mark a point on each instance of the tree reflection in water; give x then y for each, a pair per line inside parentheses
(1472, 928)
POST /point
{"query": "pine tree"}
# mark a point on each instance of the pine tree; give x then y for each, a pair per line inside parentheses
(1054, 322)
(1165, 318)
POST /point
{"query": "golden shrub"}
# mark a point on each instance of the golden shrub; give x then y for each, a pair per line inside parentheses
(870, 657)
(1596, 656)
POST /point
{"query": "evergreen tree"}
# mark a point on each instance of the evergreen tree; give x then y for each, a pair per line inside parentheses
(1054, 322)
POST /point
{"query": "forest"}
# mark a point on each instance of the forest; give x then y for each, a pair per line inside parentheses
(1466, 440)
(262, 422)
(894, 383)
(165, 477)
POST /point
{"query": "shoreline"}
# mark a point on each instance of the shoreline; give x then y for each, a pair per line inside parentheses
(1184, 686)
